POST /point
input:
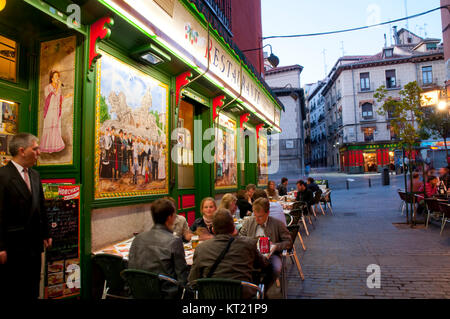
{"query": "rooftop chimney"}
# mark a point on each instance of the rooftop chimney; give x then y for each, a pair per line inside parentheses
(396, 37)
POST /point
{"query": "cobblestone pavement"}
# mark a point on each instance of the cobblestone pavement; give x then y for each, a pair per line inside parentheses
(414, 263)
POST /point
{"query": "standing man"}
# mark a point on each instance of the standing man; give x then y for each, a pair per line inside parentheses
(23, 221)
(155, 160)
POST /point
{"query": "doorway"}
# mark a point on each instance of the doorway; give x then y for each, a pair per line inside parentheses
(370, 162)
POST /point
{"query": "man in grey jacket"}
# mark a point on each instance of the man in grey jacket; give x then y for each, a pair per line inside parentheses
(262, 225)
(159, 251)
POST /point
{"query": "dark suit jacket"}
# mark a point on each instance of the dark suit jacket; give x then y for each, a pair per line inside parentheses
(23, 219)
(275, 230)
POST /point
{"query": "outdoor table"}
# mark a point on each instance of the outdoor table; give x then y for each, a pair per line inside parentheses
(122, 249)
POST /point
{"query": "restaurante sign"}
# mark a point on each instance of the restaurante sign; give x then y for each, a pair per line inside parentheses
(187, 37)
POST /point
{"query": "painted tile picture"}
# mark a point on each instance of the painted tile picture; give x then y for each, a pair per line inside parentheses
(131, 131)
(225, 163)
(56, 100)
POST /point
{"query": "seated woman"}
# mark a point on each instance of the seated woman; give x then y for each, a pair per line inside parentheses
(245, 208)
(430, 190)
(272, 191)
(203, 226)
(229, 202)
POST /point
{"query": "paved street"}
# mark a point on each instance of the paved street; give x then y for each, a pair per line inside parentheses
(414, 262)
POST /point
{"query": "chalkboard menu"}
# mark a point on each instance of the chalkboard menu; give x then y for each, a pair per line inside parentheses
(62, 271)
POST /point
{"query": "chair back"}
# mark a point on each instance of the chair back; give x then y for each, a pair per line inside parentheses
(144, 284)
(297, 215)
(218, 288)
(293, 231)
(432, 205)
(289, 219)
(317, 197)
(111, 266)
(402, 195)
(445, 209)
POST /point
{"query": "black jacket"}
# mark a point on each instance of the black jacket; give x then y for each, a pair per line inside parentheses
(23, 219)
(244, 206)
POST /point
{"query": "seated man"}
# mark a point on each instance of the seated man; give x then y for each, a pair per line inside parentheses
(304, 194)
(312, 186)
(282, 188)
(275, 209)
(238, 262)
(158, 250)
(262, 225)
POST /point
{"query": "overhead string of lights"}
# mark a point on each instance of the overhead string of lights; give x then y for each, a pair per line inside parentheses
(355, 29)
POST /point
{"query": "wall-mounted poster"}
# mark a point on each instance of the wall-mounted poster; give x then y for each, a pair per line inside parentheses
(8, 127)
(56, 97)
(131, 131)
(225, 164)
(263, 170)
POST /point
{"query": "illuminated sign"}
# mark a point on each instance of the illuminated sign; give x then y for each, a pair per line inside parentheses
(187, 37)
(430, 98)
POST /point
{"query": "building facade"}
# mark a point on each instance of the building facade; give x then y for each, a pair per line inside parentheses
(285, 83)
(315, 106)
(359, 138)
(123, 99)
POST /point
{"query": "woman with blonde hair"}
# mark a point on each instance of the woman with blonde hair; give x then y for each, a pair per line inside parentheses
(229, 202)
(203, 225)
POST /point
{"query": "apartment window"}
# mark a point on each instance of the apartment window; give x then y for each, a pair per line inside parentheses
(393, 135)
(391, 81)
(388, 53)
(368, 134)
(367, 111)
(365, 81)
(427, 75)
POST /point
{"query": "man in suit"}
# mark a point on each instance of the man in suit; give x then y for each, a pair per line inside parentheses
(239, 261)
(262, 225)
(23, 221)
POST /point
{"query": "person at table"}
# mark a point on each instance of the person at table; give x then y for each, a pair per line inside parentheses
(229, 201)
(245, 208)
(304, 194)
(159, 251)
(430, 188)
(417, 183)
(203, 225)
(271, 191)
(251, 188)
(24, 231)
(444, 176)
(263, 225)
(312, 186)
(180, 226)
(239, 261)
(275, 209)
(282, 188)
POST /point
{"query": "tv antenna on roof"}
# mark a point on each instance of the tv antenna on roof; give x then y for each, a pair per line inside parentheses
(406, 14)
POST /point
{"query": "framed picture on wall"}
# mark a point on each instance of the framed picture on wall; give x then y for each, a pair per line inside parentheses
(56, 101)
(225, 164)
(131, 131)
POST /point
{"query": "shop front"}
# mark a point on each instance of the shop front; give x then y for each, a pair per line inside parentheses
(367, 158)
(132, 101)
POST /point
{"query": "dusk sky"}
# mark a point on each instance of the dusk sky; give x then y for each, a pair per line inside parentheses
(286, 17)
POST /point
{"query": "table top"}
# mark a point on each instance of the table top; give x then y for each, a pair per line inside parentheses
(122, 249)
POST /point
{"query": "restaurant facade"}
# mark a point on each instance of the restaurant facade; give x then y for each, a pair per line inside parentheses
(132, 100)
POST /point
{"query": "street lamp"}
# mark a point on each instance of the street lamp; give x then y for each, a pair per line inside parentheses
(442, 105)
(273, 59)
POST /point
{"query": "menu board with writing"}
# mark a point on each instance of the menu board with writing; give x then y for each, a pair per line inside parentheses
(62, 267)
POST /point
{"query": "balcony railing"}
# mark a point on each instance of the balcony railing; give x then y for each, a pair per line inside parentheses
(429, 82)
(222, 10)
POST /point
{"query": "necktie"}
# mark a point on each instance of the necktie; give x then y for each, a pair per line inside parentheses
(27, 178)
